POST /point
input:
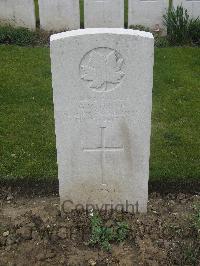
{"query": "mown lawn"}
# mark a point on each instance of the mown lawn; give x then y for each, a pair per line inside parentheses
(27, 141)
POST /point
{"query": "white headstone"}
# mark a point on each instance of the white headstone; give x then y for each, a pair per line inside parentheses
(147, 13)
(59, 15)
(102, 86)
(18, 13)
(104, 13)
(193, 7)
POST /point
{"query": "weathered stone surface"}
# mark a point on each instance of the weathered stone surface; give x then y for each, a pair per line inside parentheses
(102, 86)
(193, 7)
(59, 15)
(147, 13)
(18, 13)
(104, 13)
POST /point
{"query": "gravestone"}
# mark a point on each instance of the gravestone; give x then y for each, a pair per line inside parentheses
(104, 13)
(147, 13)
(192, 6)
(102, 86)
(18, 13)
(59, 15)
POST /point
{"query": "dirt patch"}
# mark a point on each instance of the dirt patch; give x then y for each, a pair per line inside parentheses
(33, 232)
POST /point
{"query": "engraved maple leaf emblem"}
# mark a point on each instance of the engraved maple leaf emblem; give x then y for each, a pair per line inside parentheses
(102, 69)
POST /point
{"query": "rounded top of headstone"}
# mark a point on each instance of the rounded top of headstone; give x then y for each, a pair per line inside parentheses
(91, 31)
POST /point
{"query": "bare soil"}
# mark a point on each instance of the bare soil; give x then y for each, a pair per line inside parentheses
(33, 232)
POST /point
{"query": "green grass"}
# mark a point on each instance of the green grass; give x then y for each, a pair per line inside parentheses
(27, 141)
(37, 11)
(81, 3)
(126, 13)
(176, 114)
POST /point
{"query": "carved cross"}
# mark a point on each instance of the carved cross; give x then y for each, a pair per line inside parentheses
(103, 149)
